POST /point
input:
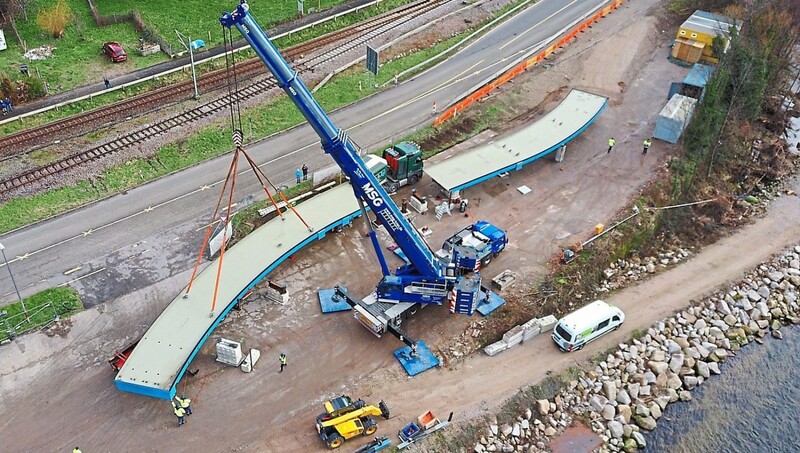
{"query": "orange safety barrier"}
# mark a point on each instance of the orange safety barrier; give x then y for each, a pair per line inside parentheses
(522, 67)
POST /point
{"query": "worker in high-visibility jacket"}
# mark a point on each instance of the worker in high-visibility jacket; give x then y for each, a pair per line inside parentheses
(282, 360)
(646, 145)
(185, 403)
(611, 143)
(179, 412)
(76, 450)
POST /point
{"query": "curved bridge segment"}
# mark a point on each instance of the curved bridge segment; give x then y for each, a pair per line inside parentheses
(574, 114)
(162, 356)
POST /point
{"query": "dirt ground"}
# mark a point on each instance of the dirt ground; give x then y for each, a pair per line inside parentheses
(57, 391)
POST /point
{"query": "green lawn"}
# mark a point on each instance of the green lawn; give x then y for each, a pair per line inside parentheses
(77, 59)
(65, 302)
(200, 18)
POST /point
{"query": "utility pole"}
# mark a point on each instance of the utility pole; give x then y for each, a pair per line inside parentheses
(188, 46)
(3, 251)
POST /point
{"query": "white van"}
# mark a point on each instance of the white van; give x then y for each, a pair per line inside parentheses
(574, 330)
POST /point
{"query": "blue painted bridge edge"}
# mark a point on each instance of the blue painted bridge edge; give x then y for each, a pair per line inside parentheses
(167, 395)
(520, 164)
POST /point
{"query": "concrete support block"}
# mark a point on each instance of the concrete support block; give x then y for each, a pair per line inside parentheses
(495, 348)
(547, 323)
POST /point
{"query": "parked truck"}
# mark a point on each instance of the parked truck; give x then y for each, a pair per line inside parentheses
(399, 165)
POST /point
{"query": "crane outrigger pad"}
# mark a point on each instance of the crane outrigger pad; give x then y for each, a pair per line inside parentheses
(485, 307)
(330, 302)
(415, 364)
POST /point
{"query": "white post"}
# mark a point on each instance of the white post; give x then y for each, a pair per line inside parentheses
(194, 76)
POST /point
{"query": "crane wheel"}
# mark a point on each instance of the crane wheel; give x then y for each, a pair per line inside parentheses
(413, 179)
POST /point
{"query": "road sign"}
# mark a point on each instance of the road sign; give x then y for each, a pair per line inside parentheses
(372, 60)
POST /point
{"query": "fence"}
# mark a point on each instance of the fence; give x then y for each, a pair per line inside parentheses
(39, 317)
(483, 91)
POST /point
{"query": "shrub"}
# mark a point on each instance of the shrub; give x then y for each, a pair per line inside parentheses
(55, 19)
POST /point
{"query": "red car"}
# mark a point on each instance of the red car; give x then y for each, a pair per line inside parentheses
(115, 52)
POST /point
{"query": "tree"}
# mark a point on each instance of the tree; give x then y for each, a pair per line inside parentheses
(55, 19)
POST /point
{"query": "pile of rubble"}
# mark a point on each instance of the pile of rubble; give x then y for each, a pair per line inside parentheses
(620, 274)
(629, 390)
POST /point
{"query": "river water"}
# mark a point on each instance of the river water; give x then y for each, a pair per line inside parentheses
(753, 406)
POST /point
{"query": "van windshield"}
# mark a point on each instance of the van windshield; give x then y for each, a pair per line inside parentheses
(563, 333)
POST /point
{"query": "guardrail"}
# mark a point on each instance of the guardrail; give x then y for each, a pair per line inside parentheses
(521, 67)
(181, 68)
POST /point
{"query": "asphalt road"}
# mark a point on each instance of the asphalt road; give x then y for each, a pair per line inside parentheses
(123, 243)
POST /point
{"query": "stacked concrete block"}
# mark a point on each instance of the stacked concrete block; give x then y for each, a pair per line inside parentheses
(530, 329)
(495, 348)
(547, 323)
(514, 336)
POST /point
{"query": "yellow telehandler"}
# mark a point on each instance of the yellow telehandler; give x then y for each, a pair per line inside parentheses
(344, 418)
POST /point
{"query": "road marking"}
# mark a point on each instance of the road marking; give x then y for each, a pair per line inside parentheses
(74, 269)
(149, 209)
(88, 232)
(537, 24)
(82, 277)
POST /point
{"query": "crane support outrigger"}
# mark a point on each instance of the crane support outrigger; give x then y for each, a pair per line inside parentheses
(426, 279)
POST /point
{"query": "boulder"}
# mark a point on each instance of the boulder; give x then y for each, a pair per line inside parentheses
(525, 424)
(623, 397)
(719, 355)
(644, 391)
(543, 406)
(713, 368)
(675, 363)
(777, 335)
(663, 400)
(639, 438)
(505, 430)
(610, 390)
(685, 395)
(655, 410)
(629, 446)
(633, 390)
(730, 320)
(702, 369)
(674, 382)
(658, 356)
(690, 382)
(641, 409)
(657, 367)
(716, 333)
(550, 431)
(753, 296)
(723, 308)
(645, 422)
(625, 412)
(700, 324)
(615, 428)
(608, 412)
(673, 395)
(597, 402)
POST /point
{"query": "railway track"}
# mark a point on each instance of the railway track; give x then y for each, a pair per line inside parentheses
(353, 37)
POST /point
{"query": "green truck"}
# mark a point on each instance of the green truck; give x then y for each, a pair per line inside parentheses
(399, 165)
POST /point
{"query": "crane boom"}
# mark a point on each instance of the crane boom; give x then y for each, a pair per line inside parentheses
(336, 143)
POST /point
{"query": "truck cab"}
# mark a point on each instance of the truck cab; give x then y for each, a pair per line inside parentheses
(481, 241)
(405, 165)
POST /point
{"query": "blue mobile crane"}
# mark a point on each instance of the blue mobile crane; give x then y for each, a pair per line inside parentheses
(426, 279)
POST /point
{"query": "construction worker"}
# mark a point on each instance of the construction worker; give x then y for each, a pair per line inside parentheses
(647, 143)
(185, 403)
(76, 450)
(611, 143)
(179, 412)
(305, 172)
(297, 175)
(282, 360)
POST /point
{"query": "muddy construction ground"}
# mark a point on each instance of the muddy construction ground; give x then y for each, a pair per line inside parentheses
(57, 389)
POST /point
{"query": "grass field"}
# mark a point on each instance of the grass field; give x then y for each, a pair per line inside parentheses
(200, 19)
(77, 59)
(41, 309)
